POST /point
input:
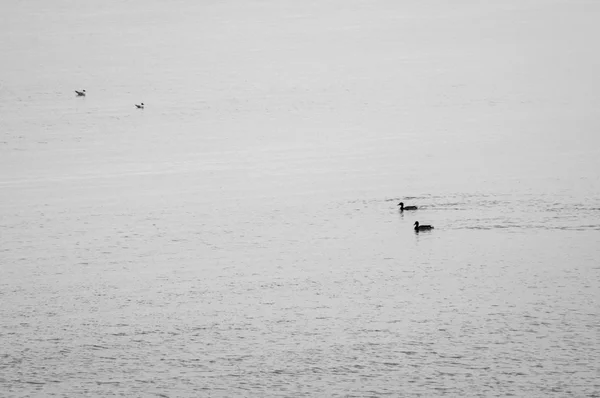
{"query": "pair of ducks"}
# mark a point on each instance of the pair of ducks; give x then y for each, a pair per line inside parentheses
(82, 94)
(417, 226)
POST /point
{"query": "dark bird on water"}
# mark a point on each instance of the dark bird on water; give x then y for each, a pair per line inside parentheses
(402, 207)
(422, 227)
(80, 93)
(140, 106)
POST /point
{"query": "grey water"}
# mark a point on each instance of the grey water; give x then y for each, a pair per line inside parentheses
(240, 236)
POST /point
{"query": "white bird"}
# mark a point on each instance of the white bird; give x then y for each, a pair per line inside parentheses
(80, 93)
(140, 106)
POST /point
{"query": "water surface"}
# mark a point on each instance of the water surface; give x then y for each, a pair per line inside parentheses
(240, 235)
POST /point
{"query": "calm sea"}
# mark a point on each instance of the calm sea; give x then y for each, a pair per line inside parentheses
(240, 236)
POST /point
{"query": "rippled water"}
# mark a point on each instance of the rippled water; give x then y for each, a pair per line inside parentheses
(240, 236)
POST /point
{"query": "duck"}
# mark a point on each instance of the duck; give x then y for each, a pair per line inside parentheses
(140, 106)
(422, 227)
(80, 93)
(402, 207)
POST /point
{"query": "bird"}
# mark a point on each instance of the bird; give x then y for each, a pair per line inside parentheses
(140, 106)
(422, 227)
(80, 93)
(402, 207)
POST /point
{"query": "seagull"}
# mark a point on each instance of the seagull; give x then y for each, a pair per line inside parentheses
(140, 106)
(402, 207)
(80, 93)
(422, 227)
